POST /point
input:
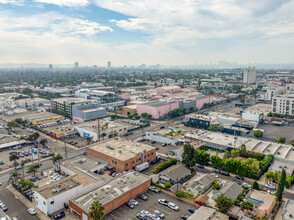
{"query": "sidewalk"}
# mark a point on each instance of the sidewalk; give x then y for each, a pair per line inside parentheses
(27, 203)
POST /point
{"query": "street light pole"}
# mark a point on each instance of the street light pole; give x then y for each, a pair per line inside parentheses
(65, 150)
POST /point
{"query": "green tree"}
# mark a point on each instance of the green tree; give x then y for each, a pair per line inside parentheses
(201, 157)
(213, 127)
(247, 205)
(34, 168)
(258, 133)
(14, 158)
(33, 137)
(180, 193)
(130, 116)
(167, 185)
(14, 176)
(227, 154)
(281, 140)
(216, 185)
(56, 159)
(223, 203)
(103, 135)
(235, 153)
(216, 161)
(137, 117)
(12, 124)
(269, 176)
(191, 109)
(243, 150)
(289, 181)
(96, 211)
(255, 185)
(281, 185)
(188, 155)
(149, 116)
(144, 115)
(43, 142)
(292, 143)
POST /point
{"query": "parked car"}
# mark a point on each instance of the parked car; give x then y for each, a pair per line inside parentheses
(33, 179)
(59, 215)
(214, 175)
(143, 197)
(239, 177)
(163, 202)
(159, 214)
(45, 174)
(19, 167)
(32, 211)
(111, 172)
(154, 189)
(200, 166)
(134, 202)
(270, 186)
(130, 205)
(184, 216)
(4, 207)
(173, 206)
(162, 127)
(191, 210)
(238, 182)
(246, 185)
(141, 216)
(225, 173)
(154, 217)
(216, 171)
(39, 177)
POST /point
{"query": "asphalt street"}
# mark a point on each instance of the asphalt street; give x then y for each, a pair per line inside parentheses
(15, 207)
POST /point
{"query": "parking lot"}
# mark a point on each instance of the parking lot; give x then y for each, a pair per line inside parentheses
(274, 132)
(125, 213)
(159, 146)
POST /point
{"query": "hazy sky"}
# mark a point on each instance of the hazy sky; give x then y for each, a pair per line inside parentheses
(168, 32)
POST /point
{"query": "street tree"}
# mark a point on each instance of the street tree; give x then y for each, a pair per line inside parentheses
(281, 140)
(223, 203)
(188, 155)
(14, 158)
(34, 168)
(281, 185)
(258, 133)
(96, 211)
(255, 185)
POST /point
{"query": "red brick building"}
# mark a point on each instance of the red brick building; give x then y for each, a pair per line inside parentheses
(122, 154)
(112, 195)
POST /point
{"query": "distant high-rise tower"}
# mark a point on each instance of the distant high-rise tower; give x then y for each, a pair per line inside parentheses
(249, 75)
(109, 64)
(50, 67)
(76, 65)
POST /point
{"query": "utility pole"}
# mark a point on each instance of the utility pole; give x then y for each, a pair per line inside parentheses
(65, 150)
(98, 129)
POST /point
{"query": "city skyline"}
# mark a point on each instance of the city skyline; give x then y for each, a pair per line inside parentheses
(150, 32)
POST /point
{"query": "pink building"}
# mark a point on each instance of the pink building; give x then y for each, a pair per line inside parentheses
(157, 109)
(201, 100)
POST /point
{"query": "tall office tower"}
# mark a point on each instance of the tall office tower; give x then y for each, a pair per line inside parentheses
(76, 65)
(50, 67)
(109, 64)
(249, 76)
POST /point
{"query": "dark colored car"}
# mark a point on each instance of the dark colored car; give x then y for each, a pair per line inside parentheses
(162, 127)
(143, 197)
(33, 179)
(225, 173)
(216, 171)
(153, 142)
(191, 210)
(237, 181)
(183, 216)
(59, 215)
(39, 177)
(240, 177)
(200, 166)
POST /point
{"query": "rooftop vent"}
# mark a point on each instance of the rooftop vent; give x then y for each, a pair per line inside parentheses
(54, 191)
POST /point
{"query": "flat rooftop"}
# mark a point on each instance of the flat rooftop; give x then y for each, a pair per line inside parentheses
(158, 104)
(120, 149)
(70, 100)
(217, 138)
(212, 119)
(259, 108)
(42, 116)
(37, 99)
(58, 187)
(279, 165)
(288, 210)
(112, 190)
(205, 213)
(85, 166)
(91, 109)
(104, 125)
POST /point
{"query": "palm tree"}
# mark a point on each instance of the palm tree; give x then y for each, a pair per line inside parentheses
(269, 177)
(14, 176)
(96, 211)
(57, 158)
(276, 177)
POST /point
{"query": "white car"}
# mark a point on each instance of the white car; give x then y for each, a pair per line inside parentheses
(173, 206)
(45, 174)
(32, 211)
(1, 203)
(214, 175)
(133, 201)
(14, 218)
(145, 212)
(50, 172)
(51, 181)
(246, 185)
(270, 186)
